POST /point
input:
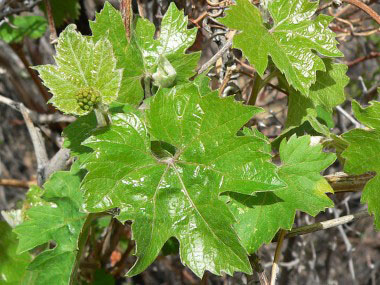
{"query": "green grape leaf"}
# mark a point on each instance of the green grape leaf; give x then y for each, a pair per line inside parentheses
(142, 56)
(12, 265)
(165, 172)
(292, 41)
(63, 10)
(83, 68)
(259, 217)
(61, 221)
(20, 27)
(362, 154)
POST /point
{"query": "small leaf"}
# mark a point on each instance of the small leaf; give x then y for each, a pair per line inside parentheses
(20, 27)
(61, 221)
(171, 168)
(84, 71)
(140, 58)
(362, 154)
(260, 217)
(12, 266)
(291, 41)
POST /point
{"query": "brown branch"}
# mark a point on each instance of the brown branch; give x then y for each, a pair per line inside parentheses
(127, 14)
(365, 8)
(17, 183)
(328, 224)
(53, 31)
(277, 255)
(358, 60)
(342, 182)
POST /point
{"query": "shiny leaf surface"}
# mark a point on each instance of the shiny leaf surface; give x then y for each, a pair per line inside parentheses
(363, 152)
(259, 217)
(291, 41)
(166, 173)
(81, 65)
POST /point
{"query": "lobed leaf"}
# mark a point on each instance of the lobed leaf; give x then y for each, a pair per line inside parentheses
(293, 41)
(165, 173)
(60, 221)
(260, 217)
(81, 64)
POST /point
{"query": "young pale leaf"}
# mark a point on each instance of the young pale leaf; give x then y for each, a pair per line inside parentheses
(362, 154)
(167, 177)
(20, 27)
(12, 266)
(141, 56)
(259, 217)
(61, 221)
(290, 42)
(83, 68)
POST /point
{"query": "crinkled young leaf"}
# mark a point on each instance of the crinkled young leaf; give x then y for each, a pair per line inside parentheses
(20, 27)
(173, 192)
(60, 222)
(362, 154)
(81, 64)
(259, 217)
(12, 265)
(141, 57)
(291, 41)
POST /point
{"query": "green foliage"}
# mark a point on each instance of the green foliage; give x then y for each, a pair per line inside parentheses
(290, 42)
(362, 154)
(12, 265)
(259, 217)
(145, 56)
(174, 192)
(60, 221)
(20, 27)
(82, 65)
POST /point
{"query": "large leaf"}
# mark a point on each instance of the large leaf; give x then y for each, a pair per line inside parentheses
(290, 42)
(362, 154)
(22, 26)
(141, 57)
(166, 173)
(12, 266)
(259, 217)
(81, 65)
(61, 221)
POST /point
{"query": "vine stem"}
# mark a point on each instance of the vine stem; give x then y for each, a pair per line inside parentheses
(127, 14)
(277, 255)
(368, 10)
(53, 31)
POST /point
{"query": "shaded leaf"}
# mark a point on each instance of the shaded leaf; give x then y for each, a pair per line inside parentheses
(20, 27)
(260, 217)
